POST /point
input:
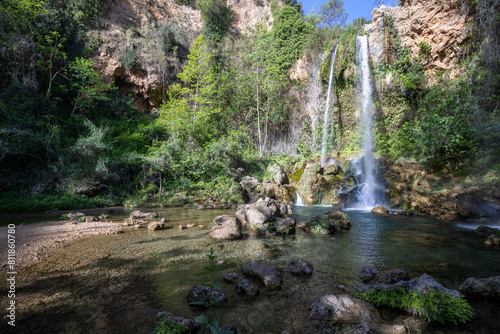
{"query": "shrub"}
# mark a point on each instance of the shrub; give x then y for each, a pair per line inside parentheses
(433, 305)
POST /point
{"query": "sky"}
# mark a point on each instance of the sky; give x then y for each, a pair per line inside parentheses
(354, 8)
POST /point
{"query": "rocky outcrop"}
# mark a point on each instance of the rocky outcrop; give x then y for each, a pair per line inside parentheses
(443, 26)
(318, 185)
(250, 186)
(345, 308)
(139, 30)
(328, 223)
(483, 288)
(228, 228)
(270, 276)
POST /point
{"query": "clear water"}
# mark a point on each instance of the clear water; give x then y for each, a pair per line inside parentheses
(173, 259)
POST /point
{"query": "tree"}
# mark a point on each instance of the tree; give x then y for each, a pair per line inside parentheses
(332, 13)
(189, 104)
(217, 18)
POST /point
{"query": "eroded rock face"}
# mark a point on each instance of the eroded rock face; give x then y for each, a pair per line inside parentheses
(441, 25)
(483, 288)
(270, 276)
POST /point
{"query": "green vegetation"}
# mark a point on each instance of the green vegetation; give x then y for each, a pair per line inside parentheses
(167, 326)
(433, 305)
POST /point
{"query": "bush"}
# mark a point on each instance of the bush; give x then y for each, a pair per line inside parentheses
(433, 305)
(13, 202)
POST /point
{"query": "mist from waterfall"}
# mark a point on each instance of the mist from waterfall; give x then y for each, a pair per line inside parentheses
(327, 109)
(372, 192)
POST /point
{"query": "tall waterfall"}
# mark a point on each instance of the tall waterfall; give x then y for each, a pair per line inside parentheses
(372, 193)
(327, 108)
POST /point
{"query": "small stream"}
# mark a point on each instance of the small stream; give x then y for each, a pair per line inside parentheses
(173, 260)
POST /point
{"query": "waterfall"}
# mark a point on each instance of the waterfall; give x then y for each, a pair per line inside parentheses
(299, 200)
(372, 193)
(327, 108)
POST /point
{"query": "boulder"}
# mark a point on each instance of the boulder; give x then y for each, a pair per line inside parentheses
(231, 277)
(270, 276)
(259, 215)
(300, 268)
(328, 223)
(249, 184)
(367, 274)
(381, 210)
(493, 239)
(201, 293)
(332, 169)
(153, 226)
(137, 214)
(284, 226)
(422, 284)
(483, 288)
(392, 276)
(190, 326)
(244, 287)
(228, 228)
(345, 308)
(276, 174)
(75, 215)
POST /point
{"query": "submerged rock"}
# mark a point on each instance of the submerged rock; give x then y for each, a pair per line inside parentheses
(299, 267)
(244, 287)
(392, 276)
(202, 293)
(328, 223)
(367, 274)
(270, 276)
(483, 288)
(190, 326)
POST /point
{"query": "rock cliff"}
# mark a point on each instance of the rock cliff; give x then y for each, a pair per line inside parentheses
(441, 25)
(135, 48)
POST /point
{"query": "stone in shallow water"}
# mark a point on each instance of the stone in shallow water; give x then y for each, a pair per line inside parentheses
(190, 326)
(367, 274)
(299, 267)
(231, 277)
(244, 287)
(483, 288)
(392, 276)
(202, 293)
(381, 210)
(154, 226)
(270, 276)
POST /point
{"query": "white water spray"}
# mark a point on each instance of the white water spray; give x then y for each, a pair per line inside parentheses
(372, 193)
(299, 200)
(327, 108)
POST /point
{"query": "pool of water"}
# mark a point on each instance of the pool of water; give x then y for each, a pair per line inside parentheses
(173, 259)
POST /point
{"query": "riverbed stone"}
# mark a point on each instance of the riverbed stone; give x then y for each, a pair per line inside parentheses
(300, 268)
(367, 274)
(202, 293)
(381, 210)
(244, 287)
(392, 276)
(228, 220)
(190, 326)
(228, 228)
(75, 215)
(154, 226)
(345, 308)
(261, 215)
(270, 276)
(137, 214)
(231, 277)
(328, 223)
(482, 288)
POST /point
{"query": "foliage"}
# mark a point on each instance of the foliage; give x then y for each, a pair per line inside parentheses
(14, 202)
(333, 13)
(213, 326)
(128, 58)
(289, 37)
(217, 19)
(167, 326)
(433, 306)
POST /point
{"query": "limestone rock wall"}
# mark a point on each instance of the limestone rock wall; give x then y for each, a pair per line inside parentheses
(134, 25)
(440, 24)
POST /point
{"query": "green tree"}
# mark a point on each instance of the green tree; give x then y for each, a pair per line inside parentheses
(217, 18)
(189, 105)
(332, 13)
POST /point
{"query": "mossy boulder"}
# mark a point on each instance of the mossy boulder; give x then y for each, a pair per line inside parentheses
(381, 210)
(328, 223)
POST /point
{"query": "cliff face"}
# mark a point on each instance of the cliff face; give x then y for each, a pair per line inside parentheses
(442, 25)
(133, 48)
